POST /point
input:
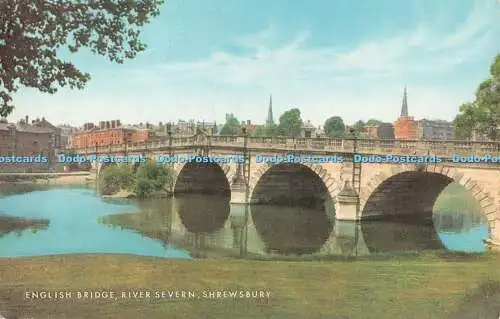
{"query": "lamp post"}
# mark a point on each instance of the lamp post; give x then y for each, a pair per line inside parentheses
(169, 133)
(356, 173)
(96, 154)
(246, 178)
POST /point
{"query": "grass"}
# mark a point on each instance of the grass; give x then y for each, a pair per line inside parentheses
(425, 287)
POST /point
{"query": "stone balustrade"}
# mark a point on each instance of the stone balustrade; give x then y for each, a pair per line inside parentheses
(367, 146)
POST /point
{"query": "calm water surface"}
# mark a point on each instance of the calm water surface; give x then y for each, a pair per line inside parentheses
(72, 220)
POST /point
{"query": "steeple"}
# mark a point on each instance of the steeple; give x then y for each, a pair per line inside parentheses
(404, 107)
(270, 119)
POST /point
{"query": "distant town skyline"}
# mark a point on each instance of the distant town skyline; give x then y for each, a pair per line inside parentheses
(350, 59)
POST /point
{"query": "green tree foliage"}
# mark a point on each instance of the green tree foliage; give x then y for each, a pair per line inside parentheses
(159, 175)
(456, 199)
(373, 122)
(266, 131)
(32, 34)
(359, 128)
(114, 178)
(483, 114)
(232, 126)
(290, 123)
(143, 187)
(334, 127)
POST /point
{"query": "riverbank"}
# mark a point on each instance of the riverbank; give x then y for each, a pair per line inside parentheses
(62, 179)
(427, 287)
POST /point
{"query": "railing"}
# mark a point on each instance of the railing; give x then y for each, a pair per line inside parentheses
(366, 146)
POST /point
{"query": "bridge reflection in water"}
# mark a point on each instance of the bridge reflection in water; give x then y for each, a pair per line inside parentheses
(209, 227)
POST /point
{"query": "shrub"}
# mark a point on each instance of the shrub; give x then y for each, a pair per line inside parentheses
(115, 178)
(143, 187)
(159, 175)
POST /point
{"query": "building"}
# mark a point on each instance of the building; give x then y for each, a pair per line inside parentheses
(385, 131)
(307, 130)
(270, 117)
(371, 131)
(405, 126)
(66, 130)
(108, 133)
(24, 139)
(251, 128)
(434, 130)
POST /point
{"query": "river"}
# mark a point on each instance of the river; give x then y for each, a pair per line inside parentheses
(36, 222)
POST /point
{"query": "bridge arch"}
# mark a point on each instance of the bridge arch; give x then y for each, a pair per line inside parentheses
(204, 178)
(332, 185)
(409, 190)
(307, 190)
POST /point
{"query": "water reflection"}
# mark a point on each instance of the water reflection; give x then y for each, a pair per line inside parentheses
(462, 231)
(384, 237)
(17, 225)
(74, 227)
(203, 214)
(207, 226)
(290, 230)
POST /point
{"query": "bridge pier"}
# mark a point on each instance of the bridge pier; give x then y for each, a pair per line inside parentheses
(347, 203)
(495, 235)
(239, 194)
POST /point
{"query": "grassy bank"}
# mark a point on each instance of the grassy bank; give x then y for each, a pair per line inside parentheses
(428, 287)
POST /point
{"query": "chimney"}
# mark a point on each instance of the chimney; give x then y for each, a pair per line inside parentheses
(118, 124)
(26, 118)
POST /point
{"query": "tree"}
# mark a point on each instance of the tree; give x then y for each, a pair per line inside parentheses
(483, 114)
(290, 123)
(334, 127)
(359, 128)
(32, 34)
(151, 177)
(373, 122)
(232, 126)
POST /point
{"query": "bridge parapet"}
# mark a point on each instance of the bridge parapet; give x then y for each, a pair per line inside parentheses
(282, 144)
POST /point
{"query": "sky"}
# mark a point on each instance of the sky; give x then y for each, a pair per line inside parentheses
(206, 58)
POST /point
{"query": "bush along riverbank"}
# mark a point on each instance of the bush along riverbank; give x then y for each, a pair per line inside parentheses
(148, 180)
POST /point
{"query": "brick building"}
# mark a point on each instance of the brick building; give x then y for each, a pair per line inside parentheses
(108, 133)
(22, 140)
(405, 127)
(435, 129)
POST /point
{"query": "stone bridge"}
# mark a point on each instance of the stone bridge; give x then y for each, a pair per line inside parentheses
(335, 183)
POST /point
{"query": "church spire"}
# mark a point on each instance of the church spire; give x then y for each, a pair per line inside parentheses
(270, 119)
(404, 107)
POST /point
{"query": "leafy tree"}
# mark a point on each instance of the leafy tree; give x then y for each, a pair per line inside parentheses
(334, 127)
(232, 126)
(115, 178)
(266, 131)
(290, 123)
(32, 34)
(483, 114)
(373, 122)
(359, 128)
(158, 174)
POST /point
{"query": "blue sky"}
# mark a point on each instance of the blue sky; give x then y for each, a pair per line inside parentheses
(350, 58)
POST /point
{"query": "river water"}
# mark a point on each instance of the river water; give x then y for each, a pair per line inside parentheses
(76, 220)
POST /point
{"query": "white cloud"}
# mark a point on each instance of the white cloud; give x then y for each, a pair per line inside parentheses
(418, 52)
